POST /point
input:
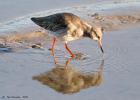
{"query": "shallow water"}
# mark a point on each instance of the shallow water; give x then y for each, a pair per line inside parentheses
(120, 70)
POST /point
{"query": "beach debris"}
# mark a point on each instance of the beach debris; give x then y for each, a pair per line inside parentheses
(5, 48)
(37, 46)
(97, 16)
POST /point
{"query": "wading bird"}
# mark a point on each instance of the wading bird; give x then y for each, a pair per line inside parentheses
(68, 27)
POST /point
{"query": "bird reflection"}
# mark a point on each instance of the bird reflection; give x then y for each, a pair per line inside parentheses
(70, 80)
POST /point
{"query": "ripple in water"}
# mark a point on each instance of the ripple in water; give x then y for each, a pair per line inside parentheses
(81, 62)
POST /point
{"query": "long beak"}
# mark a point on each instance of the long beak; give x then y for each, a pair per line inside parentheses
(100, 45)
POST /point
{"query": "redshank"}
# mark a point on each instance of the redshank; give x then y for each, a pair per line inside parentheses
(68, 27)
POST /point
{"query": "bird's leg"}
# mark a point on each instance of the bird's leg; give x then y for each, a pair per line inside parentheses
(67, 62)
(52, 49)
(72, 55)
(68, 49)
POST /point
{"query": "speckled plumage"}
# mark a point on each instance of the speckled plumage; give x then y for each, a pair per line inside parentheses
(69, 27)
(66, 25)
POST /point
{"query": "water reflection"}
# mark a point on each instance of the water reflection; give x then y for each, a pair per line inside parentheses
(70, 80)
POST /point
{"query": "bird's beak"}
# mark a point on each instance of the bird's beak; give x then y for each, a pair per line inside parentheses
(100, 45)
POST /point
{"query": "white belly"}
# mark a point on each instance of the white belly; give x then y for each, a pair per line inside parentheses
(66, 36)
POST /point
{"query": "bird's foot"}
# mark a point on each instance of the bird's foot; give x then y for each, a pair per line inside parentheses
(73, 56)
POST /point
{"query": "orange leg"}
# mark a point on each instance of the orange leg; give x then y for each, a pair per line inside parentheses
(67, 62)
(68, 49)
(52, 49)
(71, 53)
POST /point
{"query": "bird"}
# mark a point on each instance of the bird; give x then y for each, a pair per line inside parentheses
(68, 27)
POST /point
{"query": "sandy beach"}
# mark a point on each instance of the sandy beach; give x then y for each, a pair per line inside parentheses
(27, 69)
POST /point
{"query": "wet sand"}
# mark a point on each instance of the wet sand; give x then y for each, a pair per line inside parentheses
(31, 71)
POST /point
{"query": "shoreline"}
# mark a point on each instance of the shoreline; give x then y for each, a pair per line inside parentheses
(24, 22)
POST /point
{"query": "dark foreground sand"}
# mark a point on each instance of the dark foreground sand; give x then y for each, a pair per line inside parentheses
(30, 73)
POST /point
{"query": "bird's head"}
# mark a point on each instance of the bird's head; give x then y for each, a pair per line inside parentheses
(96, 34)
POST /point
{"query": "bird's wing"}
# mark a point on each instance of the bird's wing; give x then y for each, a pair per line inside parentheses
(53, 22)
